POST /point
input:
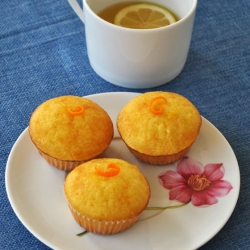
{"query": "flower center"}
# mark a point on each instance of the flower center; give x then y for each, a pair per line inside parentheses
(197, 182)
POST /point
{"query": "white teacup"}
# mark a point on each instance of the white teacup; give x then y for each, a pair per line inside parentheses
(137, 58)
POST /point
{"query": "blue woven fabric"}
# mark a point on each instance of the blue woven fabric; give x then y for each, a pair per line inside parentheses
(43, 55)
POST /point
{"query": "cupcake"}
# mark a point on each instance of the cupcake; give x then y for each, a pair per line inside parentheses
(105, 195)
(70, 130)
(159, 127)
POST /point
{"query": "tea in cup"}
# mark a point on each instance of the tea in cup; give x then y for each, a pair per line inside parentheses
(137, 15)
(136, 57)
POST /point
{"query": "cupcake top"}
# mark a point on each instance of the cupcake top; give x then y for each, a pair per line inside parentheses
(107, 189)
(71, 128)
(159, 123)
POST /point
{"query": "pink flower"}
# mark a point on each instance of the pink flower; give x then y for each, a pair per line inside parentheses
(195, 183)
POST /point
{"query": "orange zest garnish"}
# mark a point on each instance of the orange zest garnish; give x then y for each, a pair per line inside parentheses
(158, 109)
(79, 110)
(111, 170)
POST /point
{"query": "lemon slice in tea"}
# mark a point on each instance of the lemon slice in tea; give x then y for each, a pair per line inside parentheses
(144, 16)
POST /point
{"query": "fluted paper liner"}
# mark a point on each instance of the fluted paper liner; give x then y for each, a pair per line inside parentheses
(102, 226)
(60, 164)
(161, 159)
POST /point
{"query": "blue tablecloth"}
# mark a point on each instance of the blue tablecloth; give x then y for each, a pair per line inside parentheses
(43, 55)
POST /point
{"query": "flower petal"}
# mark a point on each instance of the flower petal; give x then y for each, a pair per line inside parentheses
(187, 167)
(219, 188)
(181, 193)
(203, 198)
(214, 172)
(170, 179)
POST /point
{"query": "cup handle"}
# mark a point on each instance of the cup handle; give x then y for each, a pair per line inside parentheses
(76, 7)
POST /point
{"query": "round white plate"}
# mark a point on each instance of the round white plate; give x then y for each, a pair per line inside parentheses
(35, 191)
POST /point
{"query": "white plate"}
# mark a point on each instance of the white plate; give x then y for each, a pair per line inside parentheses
(35, 191)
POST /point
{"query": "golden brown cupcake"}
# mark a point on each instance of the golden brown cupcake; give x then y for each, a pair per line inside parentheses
(106, 196)
(70, 130)
(159, 127)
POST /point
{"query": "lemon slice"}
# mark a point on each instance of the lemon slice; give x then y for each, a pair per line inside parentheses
(144, 16)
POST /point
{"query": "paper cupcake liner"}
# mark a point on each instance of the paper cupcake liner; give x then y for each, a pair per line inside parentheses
(159, 160)
(102, 226)
(60, 164)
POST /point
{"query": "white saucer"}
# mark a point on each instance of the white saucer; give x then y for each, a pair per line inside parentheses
(35, 191)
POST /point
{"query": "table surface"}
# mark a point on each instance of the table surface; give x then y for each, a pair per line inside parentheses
(43, 55)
